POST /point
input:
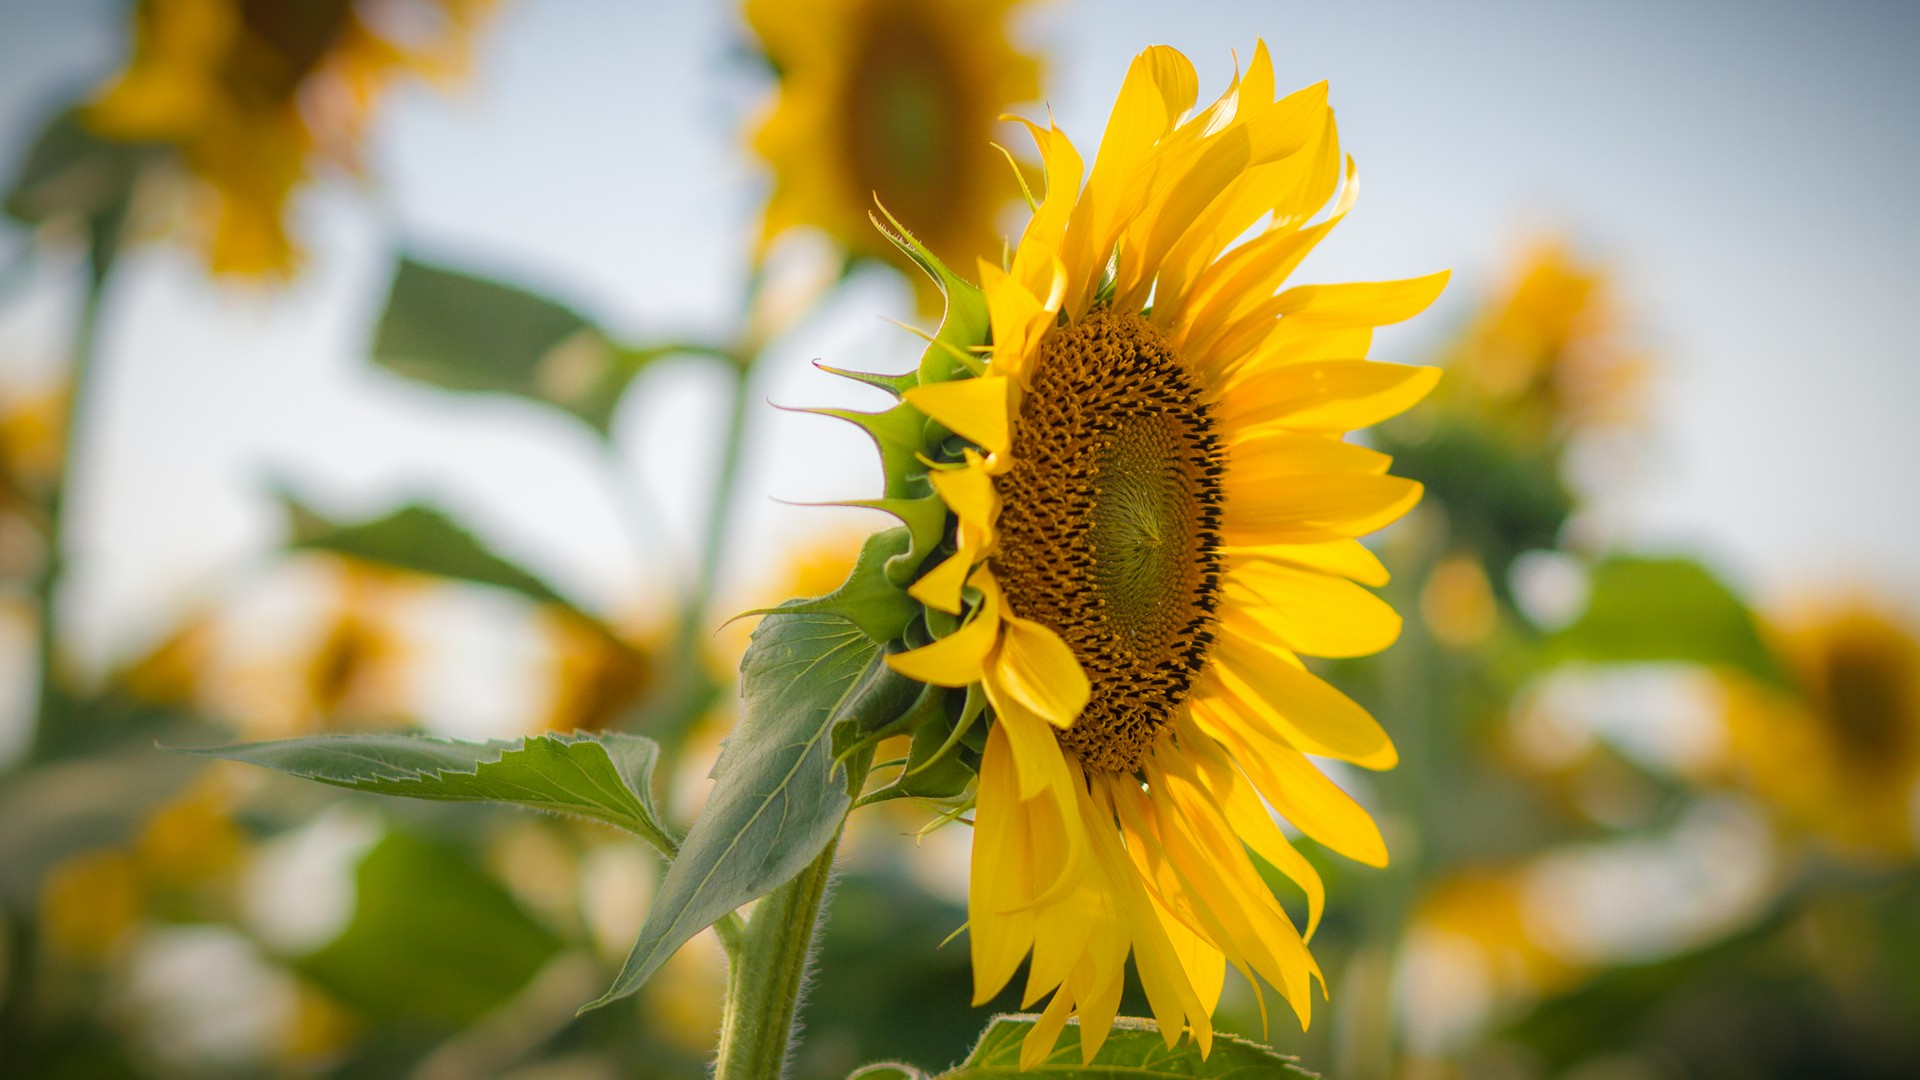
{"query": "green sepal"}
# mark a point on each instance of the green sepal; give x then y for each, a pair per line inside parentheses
(900, 435)
(925, 519)
(892, 384)
(867, 599)
(966, 322)
(884, 704)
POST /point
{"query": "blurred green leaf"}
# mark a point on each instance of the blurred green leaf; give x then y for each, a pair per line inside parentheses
(1133, 1051)
(461, 332)
(1647, 610)
(606, 778)
(420, 539)
(70, 171)
(1499, 498)
(887, 1070)
(433, 938)
(777, 798)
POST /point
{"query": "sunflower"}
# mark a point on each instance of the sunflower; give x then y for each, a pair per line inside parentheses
(1150, 514)
(1841, 758)
(894, 99)
(1547, 359)
(252, 91)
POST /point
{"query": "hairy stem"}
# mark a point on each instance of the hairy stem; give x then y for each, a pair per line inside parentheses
(767, 980)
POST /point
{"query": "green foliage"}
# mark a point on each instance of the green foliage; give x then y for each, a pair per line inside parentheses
(419, 539)
(461, 332)
(433, 939)
(1134, 1051)
(69, 171)
(606, 778)
(868, 599)
(778, 798)
(1643, 610)
(1499, 498)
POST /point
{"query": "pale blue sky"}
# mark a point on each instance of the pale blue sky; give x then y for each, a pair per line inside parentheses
(1745, 168)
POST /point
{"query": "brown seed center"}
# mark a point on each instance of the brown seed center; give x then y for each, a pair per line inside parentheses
(1110, 526)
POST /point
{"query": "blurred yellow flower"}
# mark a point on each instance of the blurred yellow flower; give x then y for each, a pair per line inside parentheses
(32, 425)
(596, 676)
(1546, 358)
(1843, 758)
(895, 99)
(1458, 603)
(192, 838)
(89, 901)
(253, 92)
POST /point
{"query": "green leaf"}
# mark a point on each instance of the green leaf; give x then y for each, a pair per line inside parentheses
(606, 778)
(1133, 1051)
(777, 798)
(432, 938)
(1648, 610)
(461, 332)
(420, 539)
(70, 171)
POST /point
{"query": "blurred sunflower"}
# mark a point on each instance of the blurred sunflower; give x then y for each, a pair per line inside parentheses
(1843, 758)
(31, 426)
(252, 92)
(1155, 516)
(597, 676)
(1546, 359)
(895, 100)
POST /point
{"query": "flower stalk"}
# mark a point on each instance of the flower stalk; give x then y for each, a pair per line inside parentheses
(767, 978)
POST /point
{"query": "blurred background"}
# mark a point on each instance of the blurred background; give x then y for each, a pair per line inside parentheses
(412, 364)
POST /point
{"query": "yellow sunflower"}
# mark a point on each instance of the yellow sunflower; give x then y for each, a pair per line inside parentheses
(1843, 758)
(894, 99)
(252, 91)
(1153, 516)
(1547, 359)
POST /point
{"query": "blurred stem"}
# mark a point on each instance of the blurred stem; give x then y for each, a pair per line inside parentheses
(1369, 1044)
(55, 698)
(765, 982)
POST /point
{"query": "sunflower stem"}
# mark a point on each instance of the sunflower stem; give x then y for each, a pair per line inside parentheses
(767, 978)
(55, 702)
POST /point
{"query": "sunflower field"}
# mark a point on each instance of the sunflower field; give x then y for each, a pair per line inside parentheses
(924, 554)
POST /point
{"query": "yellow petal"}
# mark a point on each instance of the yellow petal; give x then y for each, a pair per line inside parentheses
(1310, 612)
(1363, 303)
(976, 409)
(1347, 558)
(1255, 460)
(939, 588)
(1265, 684)
(1036, 752)
(1325, 395)
(1300, 792)
(999, 929)
(968, 491)
(960, 658)
(1037, 668)
(1313, 509)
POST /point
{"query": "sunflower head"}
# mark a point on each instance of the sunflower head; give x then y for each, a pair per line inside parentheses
(1128, 509)
(1842, 757)
(1547, 359)
(251, 92)
(893, 100)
